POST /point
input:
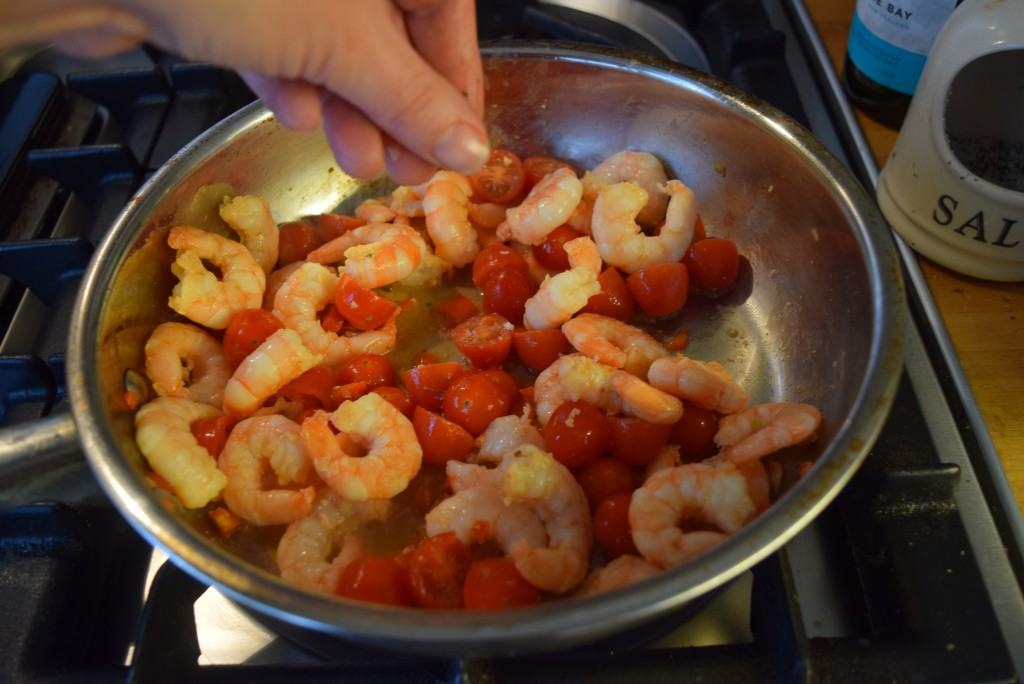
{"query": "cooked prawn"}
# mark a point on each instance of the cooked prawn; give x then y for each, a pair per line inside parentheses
(621, 572)
(297, 304)
(185, 361)
(613, 342)
(487, 214)
(376, 254)
(504, 435)
(705, 384)
(640, 168)
(536, 480)
(565, 293)
(764, 429)
(550, 203)
(275, 280)
(254, 444)
(314, 550)
(575, 377)
(667, 458)
(715, 496)
(250, 217)
(199, 295)
(277, 361)
(375, 211)
(446, 208)
(393, 457)
(407, 201)
(162, 431)
(619, 238)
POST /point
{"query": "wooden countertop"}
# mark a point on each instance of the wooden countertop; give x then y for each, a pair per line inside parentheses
(985, 320)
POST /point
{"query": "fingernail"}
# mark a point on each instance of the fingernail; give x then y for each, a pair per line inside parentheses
(462, 148)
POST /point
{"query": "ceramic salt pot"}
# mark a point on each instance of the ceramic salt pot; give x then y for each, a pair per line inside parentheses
(953, 187)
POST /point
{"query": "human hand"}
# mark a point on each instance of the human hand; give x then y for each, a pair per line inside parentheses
(396, 84)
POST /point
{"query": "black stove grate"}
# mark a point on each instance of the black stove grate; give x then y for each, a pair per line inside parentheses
(75, 144)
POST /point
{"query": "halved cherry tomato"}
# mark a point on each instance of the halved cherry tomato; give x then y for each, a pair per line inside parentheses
(313, 386)
(603, 477)
(485, 340)
(494, 258)
(347, 392)
(636, 442)
(376, 579)
(397, 398)
(373, 369)
(713, 263)
(212, 433)
(331, 320)
(295, 241)
(611, 526)
(331, 226)
(500, 180)
(538, 349)
(363, 308)
(426, 383)
(505, 382)
(441, 439)
(247, 330)
(437, 570)
(678, 341)
(473, 401)
(495, 584)
(695, 433)
(506, 292)
(538, 167)
(456, 310)
(426, 358)
(305, 413)
(551, 253)
(660, 290)
(576, 433)
(614, 300)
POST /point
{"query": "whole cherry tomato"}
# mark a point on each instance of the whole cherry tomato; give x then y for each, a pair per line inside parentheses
(538, 167)
(348, 392)
(660, 290)
(538, 349)
(473, 401)
(485, 339)
(603, 477)
(713, 263)
(363, 308)
(295, 241)
(495, 258)
(614, 300)
(636, 442)
(506, 292)
(611, 526)
(441, 439)
(495, 584)
(247, 330)
(576, 433)
(500, 180)
(698, 231)
(376, 579)
(551, 253)
(437, 571)
(212, 433)
(695, 433)
(427, 382)
(373, 369)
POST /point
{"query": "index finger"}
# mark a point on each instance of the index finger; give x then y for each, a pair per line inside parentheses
(444, 33)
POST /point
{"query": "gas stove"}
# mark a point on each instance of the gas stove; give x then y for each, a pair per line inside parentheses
(913, 573)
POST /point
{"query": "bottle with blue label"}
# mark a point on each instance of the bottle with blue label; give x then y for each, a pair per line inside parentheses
(889, 42)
